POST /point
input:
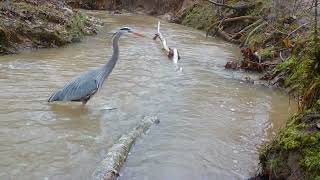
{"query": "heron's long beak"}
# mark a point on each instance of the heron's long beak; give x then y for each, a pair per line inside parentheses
(138, 34)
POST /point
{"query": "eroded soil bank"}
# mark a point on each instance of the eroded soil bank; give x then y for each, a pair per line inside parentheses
(38, 24)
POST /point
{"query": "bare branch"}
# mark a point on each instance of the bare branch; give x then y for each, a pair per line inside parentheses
(171, 53)
(239, 18)
(294, 31)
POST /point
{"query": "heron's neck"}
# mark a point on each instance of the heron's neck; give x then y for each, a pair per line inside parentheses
(108, 67)
(115, 48)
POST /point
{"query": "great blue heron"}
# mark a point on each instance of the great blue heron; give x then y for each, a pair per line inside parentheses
(84, 86)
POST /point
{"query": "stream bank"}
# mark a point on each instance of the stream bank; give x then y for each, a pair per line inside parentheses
(280, 42)
(26, 24)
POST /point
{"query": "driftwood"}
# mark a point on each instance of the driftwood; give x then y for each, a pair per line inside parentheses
(171, 53)
(108, 168)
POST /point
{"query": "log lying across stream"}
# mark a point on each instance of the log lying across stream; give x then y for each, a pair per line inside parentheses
(172, 54)
(108, 168)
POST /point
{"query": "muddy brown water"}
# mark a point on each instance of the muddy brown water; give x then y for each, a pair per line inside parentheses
(211, 124)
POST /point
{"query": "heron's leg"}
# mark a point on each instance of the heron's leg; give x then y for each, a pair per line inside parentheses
(84, 102)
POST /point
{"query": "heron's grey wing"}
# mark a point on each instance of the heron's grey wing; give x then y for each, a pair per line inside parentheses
(80, 88)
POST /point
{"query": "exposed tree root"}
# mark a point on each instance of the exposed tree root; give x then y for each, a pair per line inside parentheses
(109, 168)
(244, 30)
(226, 20)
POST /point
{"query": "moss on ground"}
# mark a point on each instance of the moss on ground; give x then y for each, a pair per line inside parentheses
(301, 136)
(266, 53)
(199, 16)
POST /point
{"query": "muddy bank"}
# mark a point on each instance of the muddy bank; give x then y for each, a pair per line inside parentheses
(39, 24)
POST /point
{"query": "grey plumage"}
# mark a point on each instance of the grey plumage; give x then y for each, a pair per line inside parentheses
(84, 86)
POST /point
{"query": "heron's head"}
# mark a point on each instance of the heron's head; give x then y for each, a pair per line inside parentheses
(128, 30)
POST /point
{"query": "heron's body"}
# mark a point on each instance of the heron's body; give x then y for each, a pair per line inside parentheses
(84, 86)
(81, 88)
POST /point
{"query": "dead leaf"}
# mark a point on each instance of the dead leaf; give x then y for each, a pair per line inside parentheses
(287, 43)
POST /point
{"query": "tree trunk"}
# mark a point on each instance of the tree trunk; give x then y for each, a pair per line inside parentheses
(109, 168)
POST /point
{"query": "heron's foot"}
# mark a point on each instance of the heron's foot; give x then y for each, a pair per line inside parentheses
(84, 103)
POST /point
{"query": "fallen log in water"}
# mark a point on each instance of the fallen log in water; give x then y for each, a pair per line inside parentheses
(171, 53)
(108, 168)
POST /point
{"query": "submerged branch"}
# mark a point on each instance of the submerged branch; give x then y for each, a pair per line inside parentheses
(171, 53)
(111, 165)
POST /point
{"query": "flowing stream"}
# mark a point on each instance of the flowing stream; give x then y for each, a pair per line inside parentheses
(211, 125)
